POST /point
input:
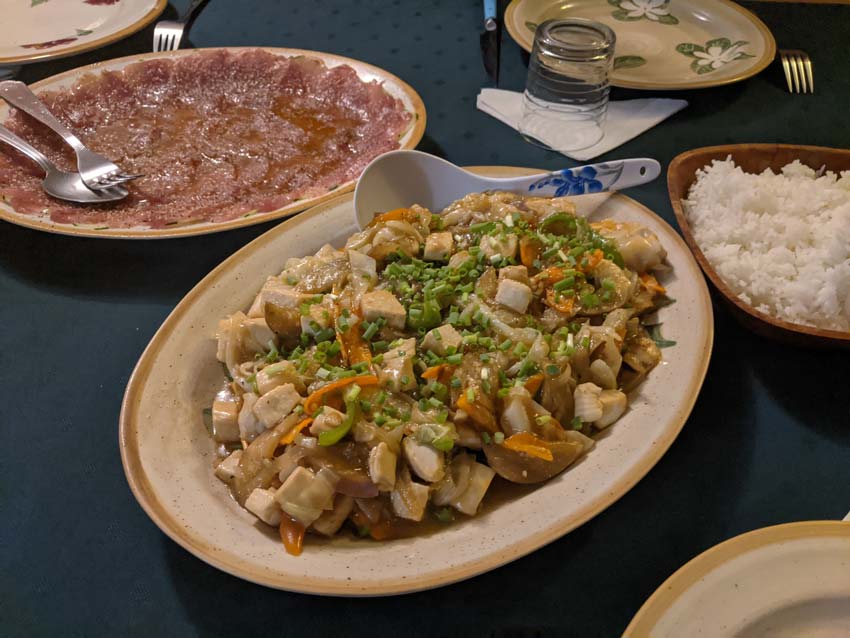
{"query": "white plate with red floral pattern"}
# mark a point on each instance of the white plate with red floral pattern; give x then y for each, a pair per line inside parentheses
(37, 30)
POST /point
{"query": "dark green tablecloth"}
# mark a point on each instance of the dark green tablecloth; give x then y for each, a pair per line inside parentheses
(768, 441)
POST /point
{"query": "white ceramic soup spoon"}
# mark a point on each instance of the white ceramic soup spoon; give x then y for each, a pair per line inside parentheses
(401, 178)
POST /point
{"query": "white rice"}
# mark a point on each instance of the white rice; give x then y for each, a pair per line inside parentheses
(780, 242)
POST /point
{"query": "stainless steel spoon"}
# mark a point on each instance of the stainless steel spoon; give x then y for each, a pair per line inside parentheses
(62, 184)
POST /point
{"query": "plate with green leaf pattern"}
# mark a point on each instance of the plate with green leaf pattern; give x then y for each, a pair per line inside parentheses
(662, 44)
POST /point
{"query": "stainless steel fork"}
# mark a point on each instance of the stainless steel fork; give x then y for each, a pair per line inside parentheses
(96, 170)
(167, 34)
(798, 67)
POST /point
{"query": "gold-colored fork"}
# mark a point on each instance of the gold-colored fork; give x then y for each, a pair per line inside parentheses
(798, 71)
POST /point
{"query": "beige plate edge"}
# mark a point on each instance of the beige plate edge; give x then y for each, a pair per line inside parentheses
(143, 492)
(519, 36)
(669, 591)
(140, 24)
(414, 134)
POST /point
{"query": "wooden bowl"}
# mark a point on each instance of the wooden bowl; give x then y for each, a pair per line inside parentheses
(754, 158)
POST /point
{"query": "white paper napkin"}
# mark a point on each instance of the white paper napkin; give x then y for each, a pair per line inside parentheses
(626, 119)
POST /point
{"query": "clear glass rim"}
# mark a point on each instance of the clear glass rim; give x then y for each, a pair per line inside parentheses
(545, 37)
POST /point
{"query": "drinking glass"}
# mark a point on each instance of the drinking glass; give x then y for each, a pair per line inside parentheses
(566, 91)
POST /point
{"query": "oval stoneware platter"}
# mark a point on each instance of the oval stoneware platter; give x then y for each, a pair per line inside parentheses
(168, 456)
(663, 44)
(407, 99)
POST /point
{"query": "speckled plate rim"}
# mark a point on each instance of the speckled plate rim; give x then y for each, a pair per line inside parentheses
(64, 52)
(399, 88)
(515, 26)
(662, 600)
(234, 565)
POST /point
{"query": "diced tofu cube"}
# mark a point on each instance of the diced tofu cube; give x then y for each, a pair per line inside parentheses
(276, 404)
(439, 340)
(225, 421)
(517, 273)
(614, 404)
(305, 495)
(256, 309)
(318, 318)
(229, 467)
(480, 477)
(427, 462)
(262, 504)
(492, 245)
(249, 425)
(438, 246)
(256, 334)
(382, 462)
(412, 507)
(327, 420)
(396, 372)
(278, 293)
(274, 375)
(330, 521)
(459, 258)
(382, 303)
(283, 295)
(514, 295)
(279, 373)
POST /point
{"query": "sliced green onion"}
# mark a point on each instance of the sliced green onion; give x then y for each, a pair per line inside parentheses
(370, 331)
(589, 300)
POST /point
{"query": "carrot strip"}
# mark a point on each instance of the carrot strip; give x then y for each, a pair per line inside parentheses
(529, 251)
(433, 372)
(292, 535)
(550, 275)
(595, 257)
(314, 401)
(533, 383)
(651, 283)
(479, 414)
(565, 304)
(397, 214)
(289, 437)
(381, 531)
(529, 444)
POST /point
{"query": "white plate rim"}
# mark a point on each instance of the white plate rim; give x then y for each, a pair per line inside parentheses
(108, 38)
(145, 495)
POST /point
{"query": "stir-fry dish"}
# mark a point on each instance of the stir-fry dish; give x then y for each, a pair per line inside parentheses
(381, 387)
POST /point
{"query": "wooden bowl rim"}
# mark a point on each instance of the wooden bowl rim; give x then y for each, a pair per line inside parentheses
(675, 185)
